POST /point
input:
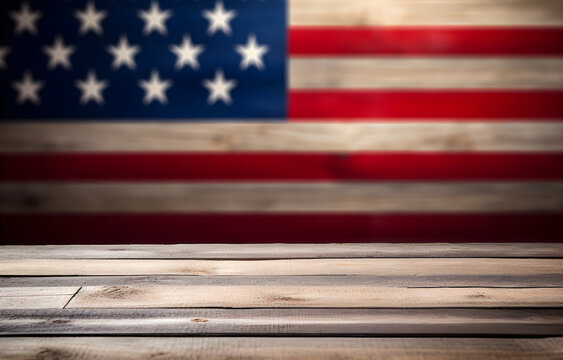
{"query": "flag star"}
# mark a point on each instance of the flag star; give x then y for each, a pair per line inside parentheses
(92, 88)
(25, 19)
(123, 53)
(155, 18)
(219, 19)
(4, 50)
(28, 89)
(59, 54)
(219, 88)
(187, 53)
(155, 88)
(252, 53)
(90, 19)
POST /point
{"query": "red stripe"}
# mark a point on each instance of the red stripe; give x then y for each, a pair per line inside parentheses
(458, 104)
(280, 167)
(428, 40)
(168, 228)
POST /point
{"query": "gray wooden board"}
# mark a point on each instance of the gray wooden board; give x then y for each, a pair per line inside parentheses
(275, 296)
(379, 267)
(285, 251)
(268, 348)
(283, 322)
(320, 280)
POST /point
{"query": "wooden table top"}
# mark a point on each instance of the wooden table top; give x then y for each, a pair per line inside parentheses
(274, 301)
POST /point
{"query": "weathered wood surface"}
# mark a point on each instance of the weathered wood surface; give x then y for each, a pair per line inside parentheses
(530, 136)
(37, 291)
(422, 197)
(141, 348)
(297, 267)
(267, 296)
(36, 297)
(423, 73)
(433, 281)
(310, 296)
(284, 322)
(285, 251)
(426, 12)
(214, 295)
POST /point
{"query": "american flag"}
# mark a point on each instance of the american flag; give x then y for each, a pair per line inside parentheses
(147, 121)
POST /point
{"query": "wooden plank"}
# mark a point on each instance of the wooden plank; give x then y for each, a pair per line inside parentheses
(423, 197)
(291, 137)
(379, 267)
(141, 348)
(34, 302)
(497, 281)
(36, 297)
(294, 322)
(37, 291)
(284, 251)
(310, 296)
(423, 73)
(426, 12)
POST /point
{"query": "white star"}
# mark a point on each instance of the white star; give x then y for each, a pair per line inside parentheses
(219, 89)
(90, 19)
(28, 88)
(123, 53)
(252, 53)
(155, 88)
(219, 19)
(25, 19)
(4, 50)
(187, 53)
(59, 54)
(154, 19)
(91, 88)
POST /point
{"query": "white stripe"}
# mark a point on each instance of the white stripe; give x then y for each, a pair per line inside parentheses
(290, 137)
(425, 73)
(426, 12)
(411, 197)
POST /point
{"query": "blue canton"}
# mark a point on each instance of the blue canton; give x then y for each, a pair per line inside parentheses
(142, 59)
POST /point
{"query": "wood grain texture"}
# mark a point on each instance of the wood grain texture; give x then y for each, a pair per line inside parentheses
(471, 197)
(248, 348)
(422, 73)
(291, 137)
(36, 297)
(285, 251)
(419, 281)
(285, 322)
(37, 291)
(34, 302)
(310, 296)
(379, 267)
(426, 12)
